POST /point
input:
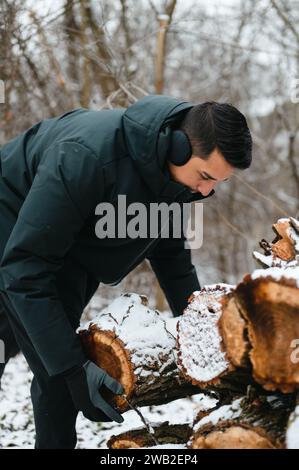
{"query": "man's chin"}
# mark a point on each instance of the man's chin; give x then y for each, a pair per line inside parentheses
(194, 191)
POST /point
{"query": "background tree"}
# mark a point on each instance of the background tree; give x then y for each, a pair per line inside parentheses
(108, 54)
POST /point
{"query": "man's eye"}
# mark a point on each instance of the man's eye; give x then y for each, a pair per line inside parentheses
(202, 177)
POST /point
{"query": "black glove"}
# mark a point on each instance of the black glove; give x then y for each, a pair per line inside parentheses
(85, 385)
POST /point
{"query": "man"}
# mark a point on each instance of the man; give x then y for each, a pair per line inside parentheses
(52, 178)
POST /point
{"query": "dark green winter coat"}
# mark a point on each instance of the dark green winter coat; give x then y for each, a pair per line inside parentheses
(52, 178)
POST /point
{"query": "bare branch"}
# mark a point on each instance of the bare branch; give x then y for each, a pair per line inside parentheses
(285, 19)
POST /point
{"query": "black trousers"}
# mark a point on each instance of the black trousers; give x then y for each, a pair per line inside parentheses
(54, 413)
(7, 336)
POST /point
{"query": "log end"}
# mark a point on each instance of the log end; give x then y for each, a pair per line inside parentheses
(269, 301)
(109, 353)
(200, 356)
(230, 436)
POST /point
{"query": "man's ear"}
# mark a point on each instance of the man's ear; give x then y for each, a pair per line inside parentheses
(180, 149)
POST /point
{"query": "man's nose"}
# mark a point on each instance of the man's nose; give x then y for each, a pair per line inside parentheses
(207, 188)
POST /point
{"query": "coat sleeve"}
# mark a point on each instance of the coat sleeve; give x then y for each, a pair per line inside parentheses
(171, 262)
(65, 191)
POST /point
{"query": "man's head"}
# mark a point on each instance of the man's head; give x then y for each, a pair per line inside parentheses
(220, 141)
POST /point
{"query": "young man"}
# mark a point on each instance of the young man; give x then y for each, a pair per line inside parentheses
(52, 178)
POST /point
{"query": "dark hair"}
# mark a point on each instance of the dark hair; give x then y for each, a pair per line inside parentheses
(214, 125)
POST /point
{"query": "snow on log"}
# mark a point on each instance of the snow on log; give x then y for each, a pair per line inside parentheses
(165, 434)
(284, 249)
(247, 423)
(136, 346)
(201, 356)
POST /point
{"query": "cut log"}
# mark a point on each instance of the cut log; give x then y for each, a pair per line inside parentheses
(136, 346)
(284, 249)
(259, 423)
(201, 356)
(229, 338)
(164, 434)
(268, 301)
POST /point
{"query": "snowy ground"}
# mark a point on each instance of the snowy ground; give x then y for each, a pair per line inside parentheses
(16, 419)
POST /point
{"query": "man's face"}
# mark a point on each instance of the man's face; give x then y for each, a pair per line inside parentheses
(202, 175)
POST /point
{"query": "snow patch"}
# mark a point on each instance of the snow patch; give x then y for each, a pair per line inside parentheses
(292, 435)
(278, 274)
(142, 330)
(199, 341)
(225, 412)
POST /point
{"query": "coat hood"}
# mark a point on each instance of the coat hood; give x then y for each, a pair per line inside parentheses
(147, 130)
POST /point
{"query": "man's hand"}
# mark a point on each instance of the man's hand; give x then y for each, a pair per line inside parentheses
(85, 384)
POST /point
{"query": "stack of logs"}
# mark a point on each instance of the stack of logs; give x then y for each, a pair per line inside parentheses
(239, 344)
